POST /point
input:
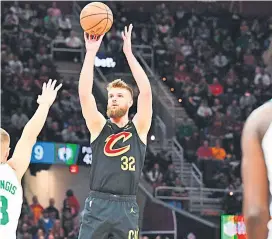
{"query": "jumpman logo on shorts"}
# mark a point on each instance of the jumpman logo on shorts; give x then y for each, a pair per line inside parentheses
(132, 210)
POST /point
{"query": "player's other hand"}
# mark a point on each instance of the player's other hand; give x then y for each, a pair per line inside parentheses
(92, 43)
(126, 35)
(49, 93)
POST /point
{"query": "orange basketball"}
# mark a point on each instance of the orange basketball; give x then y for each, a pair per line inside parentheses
(96, 18)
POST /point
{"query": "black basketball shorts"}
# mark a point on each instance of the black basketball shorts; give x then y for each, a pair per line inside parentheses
(108, 216)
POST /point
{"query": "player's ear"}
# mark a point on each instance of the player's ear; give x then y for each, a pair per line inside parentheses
(130, 102)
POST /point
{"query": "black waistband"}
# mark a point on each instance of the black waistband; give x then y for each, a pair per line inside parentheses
(113, 197)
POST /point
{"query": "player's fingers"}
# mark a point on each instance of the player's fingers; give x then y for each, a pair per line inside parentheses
(123, 35)
(92, 38)
(44, 86)
(49, 83)
(53, 84)
(58, 87)
(130, 28)
(100, 37)
(86, 36)
(126, 32)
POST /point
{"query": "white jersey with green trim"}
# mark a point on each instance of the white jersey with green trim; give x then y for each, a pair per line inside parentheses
(11, 199)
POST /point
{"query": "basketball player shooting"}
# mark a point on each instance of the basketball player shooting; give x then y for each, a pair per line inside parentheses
(118, 148)
(257, 172)
(12, 171)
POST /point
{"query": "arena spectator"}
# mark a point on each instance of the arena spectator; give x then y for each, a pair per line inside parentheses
(36, 208)
(73, 41)
(170, 176)
(46, 222)
(204, 151)
(154, 174)
(72, 202)
(204, 113)
(218, 152)
(54, 11)
(52, 211)
(64, 24)
(57, 230)
(19, 119)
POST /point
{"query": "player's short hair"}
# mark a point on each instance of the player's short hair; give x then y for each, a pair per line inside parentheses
(118, 83)
(4, 136)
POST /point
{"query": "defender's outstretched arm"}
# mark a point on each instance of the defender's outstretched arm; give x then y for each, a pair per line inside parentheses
(22, 154)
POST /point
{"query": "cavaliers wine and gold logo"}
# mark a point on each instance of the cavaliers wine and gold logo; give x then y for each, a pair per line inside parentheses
(109, 149)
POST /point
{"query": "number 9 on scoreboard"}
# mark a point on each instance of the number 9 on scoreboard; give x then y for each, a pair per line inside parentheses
(43, 152)
(38, 152)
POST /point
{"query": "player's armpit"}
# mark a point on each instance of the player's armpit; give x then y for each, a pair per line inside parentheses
(255, 181)
(22, 155)
(143, 117)
(95, 121)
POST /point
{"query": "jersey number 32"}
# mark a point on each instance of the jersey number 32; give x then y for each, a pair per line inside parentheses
(128, 163)
(4, 217)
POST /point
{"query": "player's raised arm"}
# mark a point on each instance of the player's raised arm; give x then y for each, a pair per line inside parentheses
(254, 175)
(94, 119)
(143, 117)
(22, 154)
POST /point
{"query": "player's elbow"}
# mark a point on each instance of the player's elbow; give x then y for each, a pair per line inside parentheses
(83, 94)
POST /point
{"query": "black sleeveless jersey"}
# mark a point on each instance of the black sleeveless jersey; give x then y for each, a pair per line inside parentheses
(118, 156)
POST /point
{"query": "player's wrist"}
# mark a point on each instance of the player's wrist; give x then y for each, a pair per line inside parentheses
(90, 53)
(45, 104)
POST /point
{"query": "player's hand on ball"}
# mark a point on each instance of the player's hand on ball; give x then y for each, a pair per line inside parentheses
(49, 93)
(126, 35)
(92, 43)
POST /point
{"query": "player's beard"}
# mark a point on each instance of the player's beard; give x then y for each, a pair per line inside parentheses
(117, 112)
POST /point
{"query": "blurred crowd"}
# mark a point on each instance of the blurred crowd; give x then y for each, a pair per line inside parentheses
(213, 62)
(27, 34)
(210, 59)
(39, 222)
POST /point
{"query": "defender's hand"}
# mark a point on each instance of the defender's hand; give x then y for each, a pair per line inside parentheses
(92, 43)
(126, 35)
(49, 94)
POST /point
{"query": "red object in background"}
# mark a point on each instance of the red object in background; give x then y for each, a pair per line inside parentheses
(73, 169)
(216, 89)
(241, 228)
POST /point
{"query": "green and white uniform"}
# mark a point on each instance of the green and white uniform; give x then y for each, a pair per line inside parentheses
(11, 199)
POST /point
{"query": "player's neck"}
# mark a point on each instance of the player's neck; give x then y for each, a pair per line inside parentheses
(120, 122)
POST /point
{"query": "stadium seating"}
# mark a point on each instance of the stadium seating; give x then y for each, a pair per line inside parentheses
(211, 63)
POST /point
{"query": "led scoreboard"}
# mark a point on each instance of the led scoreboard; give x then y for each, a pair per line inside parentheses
(61, 153)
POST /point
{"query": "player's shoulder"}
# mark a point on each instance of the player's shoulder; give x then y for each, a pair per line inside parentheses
(259, 120)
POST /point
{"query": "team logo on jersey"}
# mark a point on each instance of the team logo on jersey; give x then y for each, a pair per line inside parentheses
(112, 140)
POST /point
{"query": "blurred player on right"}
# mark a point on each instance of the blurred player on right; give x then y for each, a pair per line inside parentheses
(257, 172)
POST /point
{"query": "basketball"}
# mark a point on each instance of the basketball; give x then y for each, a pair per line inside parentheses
(96, 18)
